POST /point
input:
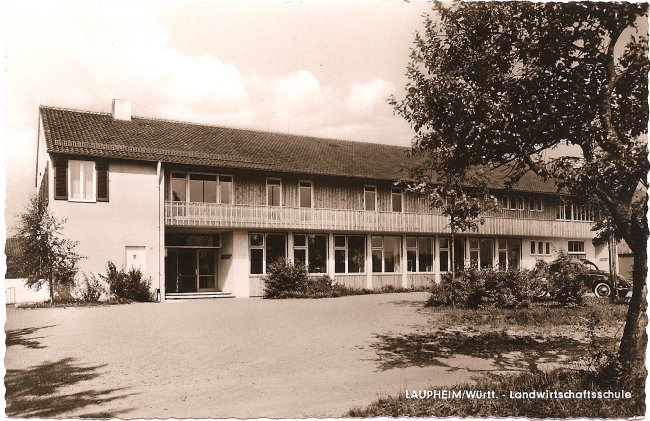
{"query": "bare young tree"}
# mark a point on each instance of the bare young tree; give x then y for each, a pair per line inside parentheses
(45, 256)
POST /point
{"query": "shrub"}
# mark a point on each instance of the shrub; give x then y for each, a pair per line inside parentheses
(130, 286)
(475, 288)
(90, 289)
(567, 281)
(63, 294)
(285, 280)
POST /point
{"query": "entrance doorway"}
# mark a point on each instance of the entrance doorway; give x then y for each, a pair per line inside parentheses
(190, 269)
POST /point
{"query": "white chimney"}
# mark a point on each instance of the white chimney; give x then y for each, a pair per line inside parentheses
(121, 109)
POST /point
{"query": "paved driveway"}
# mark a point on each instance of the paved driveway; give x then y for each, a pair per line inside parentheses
(211, 358)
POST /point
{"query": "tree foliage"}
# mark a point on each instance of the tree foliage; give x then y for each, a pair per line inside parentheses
(498, 84)
(46, 257)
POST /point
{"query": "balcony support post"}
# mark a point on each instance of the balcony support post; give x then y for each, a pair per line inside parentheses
(405, 279)
(330, 255)
(368, 261)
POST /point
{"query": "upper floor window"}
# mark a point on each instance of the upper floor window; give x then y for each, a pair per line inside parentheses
(572, 212)
(535, 204)
(370, 198)
(396, 199)
(201, 188)
(80, 180)
(273, 192)
(512, 203)
(305, 193)
(225, 189)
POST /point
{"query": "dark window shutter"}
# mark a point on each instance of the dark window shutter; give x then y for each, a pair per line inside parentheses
(102, 181)
(61, 179)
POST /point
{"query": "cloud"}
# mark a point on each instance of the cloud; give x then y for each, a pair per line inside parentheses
(365, 97)
(86, 53)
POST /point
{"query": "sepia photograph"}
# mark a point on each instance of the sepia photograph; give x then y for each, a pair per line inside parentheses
(325, 209)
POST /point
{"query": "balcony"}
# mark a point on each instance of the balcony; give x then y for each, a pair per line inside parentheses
(501, 223)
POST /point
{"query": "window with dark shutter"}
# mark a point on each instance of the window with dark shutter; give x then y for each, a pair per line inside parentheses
(102, 181)
(60, 179)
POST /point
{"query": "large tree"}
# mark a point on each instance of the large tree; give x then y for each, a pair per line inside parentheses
(45, 256)
(500, 83)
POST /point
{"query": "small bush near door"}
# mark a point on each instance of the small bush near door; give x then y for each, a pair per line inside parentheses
(90, 289)
(128, 285)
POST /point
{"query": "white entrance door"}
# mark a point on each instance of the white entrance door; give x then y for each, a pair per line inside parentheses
(136, 258)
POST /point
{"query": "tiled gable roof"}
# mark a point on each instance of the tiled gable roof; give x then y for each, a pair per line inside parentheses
(99, 135)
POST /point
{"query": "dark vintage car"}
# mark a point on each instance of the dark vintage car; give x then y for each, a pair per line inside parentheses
(597, 280)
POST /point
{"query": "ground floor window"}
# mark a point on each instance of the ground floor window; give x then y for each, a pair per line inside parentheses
(540, 248)
(311, 251)
(386, 253)
(481, 252)
(419, 254)
(576, 249)
(349, 253)
(265, 249)
(444, 254)
(509, 253)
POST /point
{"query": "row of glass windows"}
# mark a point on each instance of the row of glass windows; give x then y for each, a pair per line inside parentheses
(386, 252)
(571, 212)
(204, 188)
(520, 203)
(214, 188)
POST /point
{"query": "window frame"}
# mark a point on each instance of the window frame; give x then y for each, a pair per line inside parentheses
(546, 248)
(306, 248)
(397, 191)
(267, 190)
(417, 253)
(346, 249)
(366, 188)
(93, 195)
(187, 175)
(311, 194)
(383, 252)
(580, 252)
(232, 189)
(263, 247)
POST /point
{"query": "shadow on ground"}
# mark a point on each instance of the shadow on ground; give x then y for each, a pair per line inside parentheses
(506, 352)
(40, 391)
(24, 337)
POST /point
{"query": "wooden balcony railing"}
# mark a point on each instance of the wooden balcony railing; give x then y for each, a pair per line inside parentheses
(516, 223)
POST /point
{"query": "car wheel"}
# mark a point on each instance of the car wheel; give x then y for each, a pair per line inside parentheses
(602, 290)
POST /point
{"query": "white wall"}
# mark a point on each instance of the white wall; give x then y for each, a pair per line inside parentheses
(16, 292)
(129, 218)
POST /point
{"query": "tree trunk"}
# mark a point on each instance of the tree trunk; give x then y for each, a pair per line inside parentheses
(453, 256)
(634, 341)
(50, 283)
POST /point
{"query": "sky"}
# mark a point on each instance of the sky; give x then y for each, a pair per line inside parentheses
(322, 68)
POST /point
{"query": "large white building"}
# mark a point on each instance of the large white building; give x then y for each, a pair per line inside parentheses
(204, 209)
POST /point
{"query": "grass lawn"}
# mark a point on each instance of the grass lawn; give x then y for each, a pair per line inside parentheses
(543, 347)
